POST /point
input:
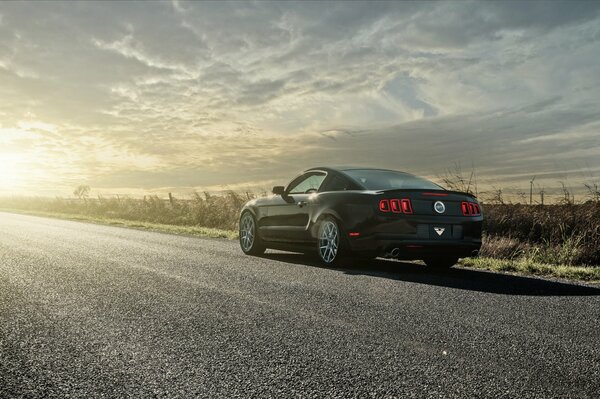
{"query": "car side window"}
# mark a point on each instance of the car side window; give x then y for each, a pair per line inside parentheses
(309, 184)
(337, 183)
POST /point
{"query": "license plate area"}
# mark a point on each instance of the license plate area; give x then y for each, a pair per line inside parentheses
(445, 232)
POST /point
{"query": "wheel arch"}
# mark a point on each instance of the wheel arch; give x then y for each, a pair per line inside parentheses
(324, 213)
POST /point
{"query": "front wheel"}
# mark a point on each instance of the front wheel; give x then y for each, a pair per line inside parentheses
(441, 263)
(329, 242)
(250, 242)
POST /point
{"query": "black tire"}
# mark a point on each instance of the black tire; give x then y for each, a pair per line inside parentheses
(250, 242)
(441, 263)
(330, 250)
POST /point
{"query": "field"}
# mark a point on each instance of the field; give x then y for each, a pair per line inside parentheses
(555, 240)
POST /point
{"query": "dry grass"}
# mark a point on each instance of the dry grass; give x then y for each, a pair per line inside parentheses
(526, 266)
(158, 227)
(558, 234)
(212, 211)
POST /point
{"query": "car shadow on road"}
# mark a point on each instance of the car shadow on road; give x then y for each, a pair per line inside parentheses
(466, 279)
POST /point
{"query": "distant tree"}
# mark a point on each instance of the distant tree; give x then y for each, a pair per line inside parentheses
(82, 191)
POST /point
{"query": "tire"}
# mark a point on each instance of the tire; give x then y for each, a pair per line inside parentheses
(331, 247)
(250, 242)
(441, 263)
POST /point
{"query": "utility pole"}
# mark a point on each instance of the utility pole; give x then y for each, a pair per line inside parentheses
(531, 191)
(542, 196)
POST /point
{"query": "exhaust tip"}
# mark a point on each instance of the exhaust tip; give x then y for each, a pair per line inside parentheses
(395, 252)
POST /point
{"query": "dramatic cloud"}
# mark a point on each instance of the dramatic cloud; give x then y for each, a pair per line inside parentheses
(146, 97)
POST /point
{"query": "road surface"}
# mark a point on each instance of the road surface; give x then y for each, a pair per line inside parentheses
(96, 311)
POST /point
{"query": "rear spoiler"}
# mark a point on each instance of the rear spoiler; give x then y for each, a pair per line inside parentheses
(433, 193)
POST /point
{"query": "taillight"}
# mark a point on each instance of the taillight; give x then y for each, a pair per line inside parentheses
(396, 205)
(406, 206)
(384, 205)
(465, 208)
(470, 209)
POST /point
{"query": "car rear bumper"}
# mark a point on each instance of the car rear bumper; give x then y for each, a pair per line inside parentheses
(419, 237)
(416, 249)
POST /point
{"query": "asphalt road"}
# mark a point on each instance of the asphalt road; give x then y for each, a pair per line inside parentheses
(96, 311)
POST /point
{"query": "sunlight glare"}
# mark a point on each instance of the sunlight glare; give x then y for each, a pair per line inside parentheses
(10, 172)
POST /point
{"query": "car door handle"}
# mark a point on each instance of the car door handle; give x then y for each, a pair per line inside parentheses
(301, 203)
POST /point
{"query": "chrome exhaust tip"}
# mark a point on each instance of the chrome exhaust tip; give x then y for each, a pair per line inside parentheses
(395, 252)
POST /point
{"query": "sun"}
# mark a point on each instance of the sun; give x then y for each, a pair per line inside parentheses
(10, 173)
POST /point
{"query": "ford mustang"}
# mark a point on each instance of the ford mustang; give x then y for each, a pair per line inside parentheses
(350, 212)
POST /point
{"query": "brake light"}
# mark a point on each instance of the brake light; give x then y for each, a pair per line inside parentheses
(470, 209)
(384, 205)
(406, 206)
(465, 208)
(396, 205)
(436, 194)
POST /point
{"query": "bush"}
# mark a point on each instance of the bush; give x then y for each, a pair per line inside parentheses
(215, 211)
(566, 234)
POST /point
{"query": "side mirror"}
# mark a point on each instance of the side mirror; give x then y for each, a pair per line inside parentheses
(278, 190)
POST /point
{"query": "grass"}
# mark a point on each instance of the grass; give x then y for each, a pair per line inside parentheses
(555, 234)
(158, 227)
(524, 266)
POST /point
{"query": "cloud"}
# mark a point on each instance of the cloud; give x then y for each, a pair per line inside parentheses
(191, 95)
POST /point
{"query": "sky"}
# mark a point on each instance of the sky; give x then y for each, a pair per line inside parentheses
(140, 98)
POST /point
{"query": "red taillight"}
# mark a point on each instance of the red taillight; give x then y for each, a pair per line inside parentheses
(436, 194)
(406, 206)
(470, 209)
(384, 205)
(396, 205)
(465, 208)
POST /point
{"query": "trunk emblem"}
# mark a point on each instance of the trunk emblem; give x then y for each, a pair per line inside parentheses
(439, 230)
(439, 207)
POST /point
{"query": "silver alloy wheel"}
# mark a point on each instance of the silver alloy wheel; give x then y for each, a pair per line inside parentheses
(247, 232)
(329, 240)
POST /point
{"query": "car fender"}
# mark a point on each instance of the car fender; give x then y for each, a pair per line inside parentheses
(250, 208)
(319, 215)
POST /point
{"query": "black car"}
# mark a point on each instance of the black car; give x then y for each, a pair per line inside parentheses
(358, 212)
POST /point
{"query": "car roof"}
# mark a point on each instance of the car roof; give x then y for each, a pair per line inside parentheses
(346, 168)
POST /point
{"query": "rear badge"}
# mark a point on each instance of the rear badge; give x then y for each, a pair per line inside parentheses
(439, 230)
(439, 207)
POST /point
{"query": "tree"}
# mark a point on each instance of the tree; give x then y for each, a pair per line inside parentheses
(82, 191)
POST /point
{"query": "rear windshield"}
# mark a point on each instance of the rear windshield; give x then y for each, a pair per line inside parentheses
(389, 179)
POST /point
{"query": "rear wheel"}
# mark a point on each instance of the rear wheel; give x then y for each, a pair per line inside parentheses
(329, 242)
(250, 242)
(440, 263)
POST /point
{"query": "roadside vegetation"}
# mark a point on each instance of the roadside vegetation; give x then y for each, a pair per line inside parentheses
(559, 240)
(201, 210)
